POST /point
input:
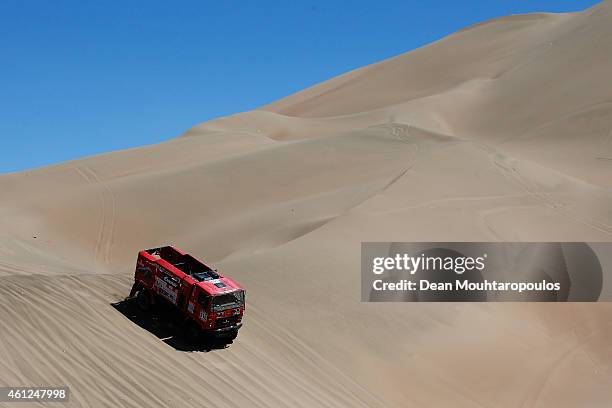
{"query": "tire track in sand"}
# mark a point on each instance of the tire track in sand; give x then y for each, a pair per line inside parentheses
(104, 242)
(62, 330)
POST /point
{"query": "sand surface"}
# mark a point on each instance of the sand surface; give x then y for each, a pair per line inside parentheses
(500, 132)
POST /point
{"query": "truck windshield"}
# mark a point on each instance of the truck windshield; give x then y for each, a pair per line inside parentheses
(228, 301)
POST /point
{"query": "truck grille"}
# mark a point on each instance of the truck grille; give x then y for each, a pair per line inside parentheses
(227, 321)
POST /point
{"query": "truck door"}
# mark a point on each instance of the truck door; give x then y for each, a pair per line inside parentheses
(199, 305)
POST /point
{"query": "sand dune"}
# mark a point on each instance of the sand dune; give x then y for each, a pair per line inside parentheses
(500, 132)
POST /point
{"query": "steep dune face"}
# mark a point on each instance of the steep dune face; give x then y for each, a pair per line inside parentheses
(499, 132)
(516, 82)
(482, 52)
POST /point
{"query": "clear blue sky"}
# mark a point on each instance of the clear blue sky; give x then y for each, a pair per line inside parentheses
(84, 77)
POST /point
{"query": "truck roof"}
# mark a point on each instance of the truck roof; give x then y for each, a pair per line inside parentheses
(182, 264)
(219, 286)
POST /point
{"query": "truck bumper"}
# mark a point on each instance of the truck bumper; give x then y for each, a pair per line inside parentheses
(225, 331)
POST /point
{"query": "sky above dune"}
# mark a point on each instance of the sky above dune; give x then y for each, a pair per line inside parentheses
(79, 79)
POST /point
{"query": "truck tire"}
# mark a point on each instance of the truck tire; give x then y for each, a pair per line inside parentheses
(191, 333)
(232, 336)
(229, 339)
(143, 300)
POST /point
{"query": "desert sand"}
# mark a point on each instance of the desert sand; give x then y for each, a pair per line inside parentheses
(499, 132)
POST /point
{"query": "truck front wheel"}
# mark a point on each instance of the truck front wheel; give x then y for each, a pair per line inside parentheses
(233, 335)
(229, 338)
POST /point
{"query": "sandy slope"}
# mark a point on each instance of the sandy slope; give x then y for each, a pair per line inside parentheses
(502, 131)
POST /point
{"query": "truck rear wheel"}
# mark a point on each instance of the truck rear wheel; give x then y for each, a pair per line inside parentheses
(143, 300)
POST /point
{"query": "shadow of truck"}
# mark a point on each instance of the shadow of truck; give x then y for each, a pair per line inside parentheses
(165, 324)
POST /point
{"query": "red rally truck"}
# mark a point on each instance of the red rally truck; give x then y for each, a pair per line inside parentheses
(207, 303)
